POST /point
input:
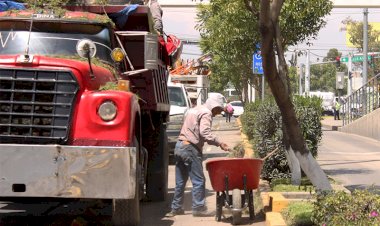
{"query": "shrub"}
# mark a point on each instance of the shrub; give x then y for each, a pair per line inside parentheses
(285, 185)
(362, 207)
(262, 123)
(298, 213)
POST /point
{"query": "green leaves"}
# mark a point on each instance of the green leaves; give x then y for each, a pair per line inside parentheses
(301, 20)
(362, 207)
(323, 76)
(355, 30)
(229, 32)
(262, 122)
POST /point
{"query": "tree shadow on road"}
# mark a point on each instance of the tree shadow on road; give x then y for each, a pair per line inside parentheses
(345, 171)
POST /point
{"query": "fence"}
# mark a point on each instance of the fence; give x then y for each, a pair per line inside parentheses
(362, 101)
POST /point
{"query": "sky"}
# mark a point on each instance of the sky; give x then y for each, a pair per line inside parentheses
(180, 21)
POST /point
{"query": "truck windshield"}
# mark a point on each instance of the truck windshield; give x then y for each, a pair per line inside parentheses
(176, 96)
(52, 38)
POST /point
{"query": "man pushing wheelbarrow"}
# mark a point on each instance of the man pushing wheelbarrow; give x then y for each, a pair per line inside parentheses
(196, 130)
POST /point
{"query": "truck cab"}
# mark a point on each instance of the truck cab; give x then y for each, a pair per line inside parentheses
(83, 107)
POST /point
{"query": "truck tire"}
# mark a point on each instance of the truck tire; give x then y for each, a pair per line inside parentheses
(157, 178)
(236, 206)
(127, 212)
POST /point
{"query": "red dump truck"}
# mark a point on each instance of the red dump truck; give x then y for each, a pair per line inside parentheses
(83, 107)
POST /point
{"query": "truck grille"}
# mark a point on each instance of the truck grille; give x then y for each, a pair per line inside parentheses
(36, 106)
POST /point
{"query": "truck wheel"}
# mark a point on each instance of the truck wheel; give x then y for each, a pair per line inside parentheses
(157, 178)
(127, 212)
(236, 206)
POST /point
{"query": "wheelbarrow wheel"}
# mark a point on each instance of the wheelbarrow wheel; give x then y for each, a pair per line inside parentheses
(236, 206)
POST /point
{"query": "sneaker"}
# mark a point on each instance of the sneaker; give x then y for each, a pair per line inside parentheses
(203, 213)
(175, 213)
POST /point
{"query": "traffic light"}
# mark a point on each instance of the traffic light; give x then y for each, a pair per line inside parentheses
(337, 61)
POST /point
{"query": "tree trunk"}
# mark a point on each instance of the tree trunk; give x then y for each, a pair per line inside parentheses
(268, 20)
(294, 166)
(293, 162)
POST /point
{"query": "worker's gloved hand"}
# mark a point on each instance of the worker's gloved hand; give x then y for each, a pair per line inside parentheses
(224, 147)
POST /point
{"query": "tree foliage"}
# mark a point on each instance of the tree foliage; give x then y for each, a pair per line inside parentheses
(293, 79)
(301, 20)
(355, 30)
(229, 33)
(323, 76)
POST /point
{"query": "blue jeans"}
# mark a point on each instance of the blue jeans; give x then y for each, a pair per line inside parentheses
(188, 163)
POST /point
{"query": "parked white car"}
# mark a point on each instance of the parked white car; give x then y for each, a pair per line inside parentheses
(179, 105)
(238, 108)
(179, 99)
(327, 101)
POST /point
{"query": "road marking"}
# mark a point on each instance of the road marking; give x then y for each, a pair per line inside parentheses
(351, 153)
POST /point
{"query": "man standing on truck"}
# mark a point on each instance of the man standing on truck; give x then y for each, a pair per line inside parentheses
(155, 10)
(195, 131)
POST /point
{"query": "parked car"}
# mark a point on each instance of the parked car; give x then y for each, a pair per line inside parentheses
(238, 108)
(179, 105)
(327, 101)
(179, 99)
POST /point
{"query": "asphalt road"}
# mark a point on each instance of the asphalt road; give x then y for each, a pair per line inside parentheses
(351, 160)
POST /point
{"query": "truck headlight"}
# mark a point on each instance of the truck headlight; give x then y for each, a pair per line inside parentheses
(107, 110)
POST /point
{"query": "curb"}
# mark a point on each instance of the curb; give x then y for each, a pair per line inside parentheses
(276, 203)
(247, 146)
(270, 199)
(331, 127)
(274, 219)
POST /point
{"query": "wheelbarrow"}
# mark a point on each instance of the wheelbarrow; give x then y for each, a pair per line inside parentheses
(236, 175)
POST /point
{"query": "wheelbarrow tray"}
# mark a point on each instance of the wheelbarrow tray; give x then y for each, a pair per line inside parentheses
(234, 169)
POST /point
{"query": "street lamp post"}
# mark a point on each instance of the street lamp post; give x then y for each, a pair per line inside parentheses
(307, 73)
(300, 79)
(365, 46)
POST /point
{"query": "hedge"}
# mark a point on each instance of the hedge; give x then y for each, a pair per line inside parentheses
(262, 123)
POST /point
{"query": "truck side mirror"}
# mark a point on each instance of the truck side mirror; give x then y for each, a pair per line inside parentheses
(86, 48)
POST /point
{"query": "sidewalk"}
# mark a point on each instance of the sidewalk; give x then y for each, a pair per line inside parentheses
(329, 123)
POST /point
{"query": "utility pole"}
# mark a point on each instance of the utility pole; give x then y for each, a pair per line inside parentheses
(365, 46)
(307, 73)
(349, 88)
(300, 79)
